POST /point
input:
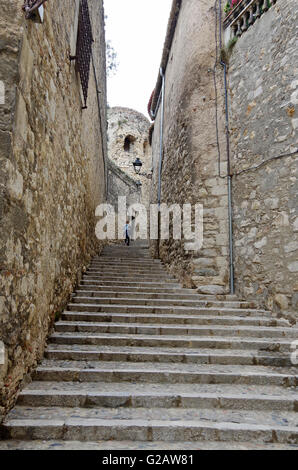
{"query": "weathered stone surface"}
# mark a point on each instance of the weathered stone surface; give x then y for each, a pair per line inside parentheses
(128, 139)
(52, 174)
(190, 161)
(263, 68)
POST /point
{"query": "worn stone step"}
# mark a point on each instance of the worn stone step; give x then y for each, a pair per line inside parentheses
(172, 329)
(266, 344)
(147, 309)
(127, 257)
(126, 269)
(137, 289)
(174, 319)
(180, 295)
(57, 444)
(139, 300)
(128, 283)
(94, 371)
(174, 355)
(121, 267)
(124, 263)
(129, 278)
(151, 399)
(223, 396)
(150, 425)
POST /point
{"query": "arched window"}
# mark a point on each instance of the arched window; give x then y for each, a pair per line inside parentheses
(128, 143)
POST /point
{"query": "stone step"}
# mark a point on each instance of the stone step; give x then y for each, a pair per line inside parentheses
(196, 342)
(146, 424)
(132, 269)
(125, 263)
(174, 355)
(178, 294)
(128, 283)
(147, 309)
(142, 388)
(136, 264)
(174, 319)
(111, 287)
(128, 257)
(172, 329)
(144, 395)
(130, 277)
(148, 300)
(57, 444)
(98, 371)
(108, 271)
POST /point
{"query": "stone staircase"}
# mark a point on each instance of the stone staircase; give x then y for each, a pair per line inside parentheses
(137, 362)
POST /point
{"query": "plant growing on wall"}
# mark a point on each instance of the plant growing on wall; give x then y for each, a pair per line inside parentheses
(227, 7)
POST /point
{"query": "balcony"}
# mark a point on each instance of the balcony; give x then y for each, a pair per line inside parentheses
(242, 16)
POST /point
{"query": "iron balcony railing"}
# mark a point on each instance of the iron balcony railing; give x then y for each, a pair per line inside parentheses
(244, 14)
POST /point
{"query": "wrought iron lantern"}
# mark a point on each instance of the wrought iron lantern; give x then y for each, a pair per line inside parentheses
(137, 166)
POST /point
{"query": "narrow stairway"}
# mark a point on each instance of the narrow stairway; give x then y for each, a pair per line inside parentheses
(138, 362)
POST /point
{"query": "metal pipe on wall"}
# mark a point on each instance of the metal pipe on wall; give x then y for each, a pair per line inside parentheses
(230, 207)
(161, 135)
(160, 152)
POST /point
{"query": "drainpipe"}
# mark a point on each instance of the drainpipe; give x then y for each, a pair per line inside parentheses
(223, 64)
(162, 94)
(161, 134)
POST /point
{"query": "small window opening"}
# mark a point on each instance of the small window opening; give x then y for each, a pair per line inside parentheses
(145, 147)
(128, 143)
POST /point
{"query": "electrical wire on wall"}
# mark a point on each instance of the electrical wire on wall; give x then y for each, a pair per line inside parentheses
(216, 92)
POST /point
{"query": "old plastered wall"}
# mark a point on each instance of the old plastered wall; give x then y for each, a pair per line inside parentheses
(52, 175)
(125, 123)
(263, 86)
(190, 158)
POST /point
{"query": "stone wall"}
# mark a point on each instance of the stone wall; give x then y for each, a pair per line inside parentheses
(128, 138)
(190, 158)
(120, 184)
(52, 175)
(263, 87)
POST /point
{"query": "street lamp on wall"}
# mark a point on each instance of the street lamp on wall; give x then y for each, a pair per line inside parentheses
(137, 166)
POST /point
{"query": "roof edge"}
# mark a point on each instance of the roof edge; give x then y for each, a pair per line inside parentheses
(172, 23)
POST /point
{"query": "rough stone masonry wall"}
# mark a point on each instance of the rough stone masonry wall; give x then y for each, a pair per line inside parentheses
(120, 184)
(51, 178)
(190, 169)
(125, 122)
(263, 79)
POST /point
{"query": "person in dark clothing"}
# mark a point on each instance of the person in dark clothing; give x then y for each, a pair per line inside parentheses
(127, 233)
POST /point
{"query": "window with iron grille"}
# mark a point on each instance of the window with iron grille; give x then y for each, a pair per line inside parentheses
(31, 6)
(84, 48)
